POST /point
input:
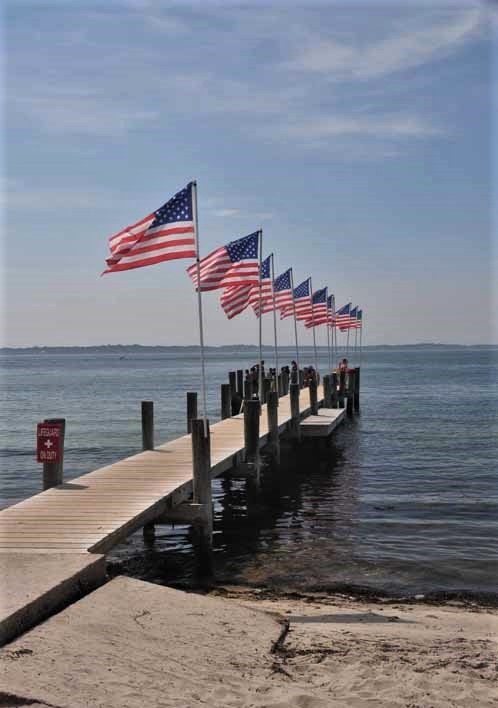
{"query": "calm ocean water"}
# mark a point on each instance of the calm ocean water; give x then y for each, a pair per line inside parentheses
(405, 500)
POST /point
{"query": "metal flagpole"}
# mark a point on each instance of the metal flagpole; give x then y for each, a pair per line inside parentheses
(355, 342)
(347, 344)
(314, 333)
(361, 332)
(274, 319)
(295, 323)
(328, 347)
(199, 303)
(260, 377)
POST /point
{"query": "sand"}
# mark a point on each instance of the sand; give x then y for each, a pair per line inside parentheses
(134, 644)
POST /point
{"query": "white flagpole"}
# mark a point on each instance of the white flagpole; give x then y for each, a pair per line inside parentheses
(355, 343)
(314, 333)
(199, 303)
(328, 345)
(295, 323)
(361, 332)
(260, 377)
(274, 319)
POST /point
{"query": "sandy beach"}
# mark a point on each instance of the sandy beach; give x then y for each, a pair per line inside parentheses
(134, 644)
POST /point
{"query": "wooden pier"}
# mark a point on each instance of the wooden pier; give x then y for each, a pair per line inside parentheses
(96, 511)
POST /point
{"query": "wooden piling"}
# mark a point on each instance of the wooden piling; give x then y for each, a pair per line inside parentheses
(248, 388)
(273, 436)
(333, 386)
(266, 389)
(327, 391)
(280, 384)
(313, 397)
(191, 409)
(342, 388)
(149, 530)
(252, 410)
(295, 422)
(232, 380)
(285, 382)
(350, 392)
(53, 472)
(202, 526)
(226, 401)
(357, 390)
(301, 378)
(240, 382)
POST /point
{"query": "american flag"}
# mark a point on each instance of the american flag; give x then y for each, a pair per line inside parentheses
(352, 320)
(331, 309)
(164, 235)
(302, 300)
(266, 288)
(235, 299)
(320, 310)
(234, 264)
(359, 316)
(283, 290)
(342, 318)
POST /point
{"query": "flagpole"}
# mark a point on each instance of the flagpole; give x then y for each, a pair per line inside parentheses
(260, 377)
(361, 332)
(274, 319)
(199, 304)
(295, 324)
(314, 333)
(328, 347)
(355, 343)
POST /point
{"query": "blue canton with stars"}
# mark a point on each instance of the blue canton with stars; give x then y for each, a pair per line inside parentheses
(344, 309)
(178, 208)
(283, 282)
(265, 268)
(244, 248)
(354, 311)
(320, 296)
(359, 316)
(302, 290)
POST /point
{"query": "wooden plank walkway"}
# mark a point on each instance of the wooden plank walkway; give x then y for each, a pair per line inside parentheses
(100, 509)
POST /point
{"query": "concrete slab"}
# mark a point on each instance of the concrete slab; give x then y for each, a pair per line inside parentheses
(134, 644)
(34, 585)
(321, 425)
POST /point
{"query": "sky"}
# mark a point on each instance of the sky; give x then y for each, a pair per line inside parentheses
(357, 136)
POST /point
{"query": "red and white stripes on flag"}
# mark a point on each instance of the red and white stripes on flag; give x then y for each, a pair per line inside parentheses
(164, 235)
(228, 266)
(236, 299)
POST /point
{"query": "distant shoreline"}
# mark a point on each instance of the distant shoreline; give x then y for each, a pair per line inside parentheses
(110, 348)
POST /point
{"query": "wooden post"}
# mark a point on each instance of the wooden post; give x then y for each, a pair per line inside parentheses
(240, 382)
(285, 377)
(357, 390)
(232, 380)
(280, 386)
(273, 437)
(202, 527)
(226, 401)
(191, 409)
(53, 472)
(147, 425)
(350, 392)
(335, 403)
(295, 422)
(266, 389)
(301, 378)
(251, 435)
(327, 392)
(342, 388)
(149, 530)
(247, 388)
(313, 397)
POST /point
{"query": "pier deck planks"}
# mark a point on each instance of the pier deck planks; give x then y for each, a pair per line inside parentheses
(100, 509)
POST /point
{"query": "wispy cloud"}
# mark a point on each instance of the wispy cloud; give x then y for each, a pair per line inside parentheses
(226, 212)
(399, 51)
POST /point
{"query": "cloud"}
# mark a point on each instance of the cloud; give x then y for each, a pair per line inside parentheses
(387, 126)
(226, 212)
(398, 52)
